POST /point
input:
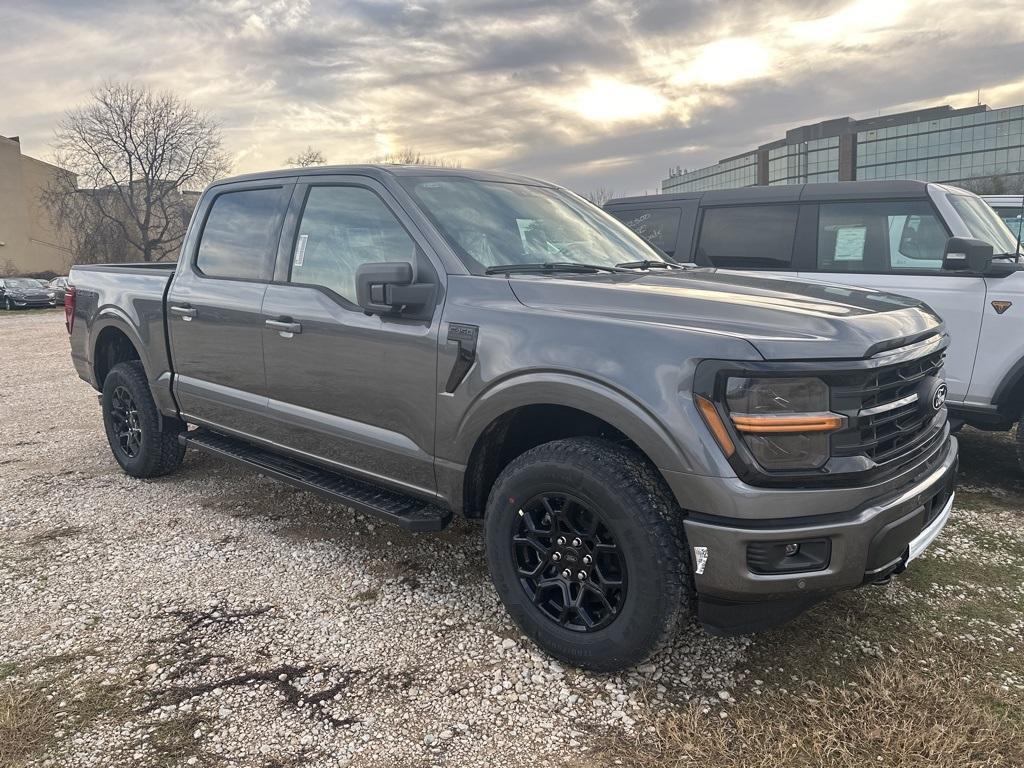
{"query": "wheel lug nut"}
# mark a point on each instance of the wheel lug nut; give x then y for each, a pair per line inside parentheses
(576, 542)
(587, 559)
(560, 541)
(557, 556)
(566, 573)
(581, 575)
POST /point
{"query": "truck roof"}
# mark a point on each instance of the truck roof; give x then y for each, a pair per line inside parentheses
(380, 171)
(785, 193)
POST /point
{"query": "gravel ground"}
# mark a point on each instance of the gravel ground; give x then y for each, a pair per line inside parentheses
(217, 617)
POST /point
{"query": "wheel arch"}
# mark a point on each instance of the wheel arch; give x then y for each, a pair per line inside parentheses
(114, 341)
(1009, 395)
(518, 415)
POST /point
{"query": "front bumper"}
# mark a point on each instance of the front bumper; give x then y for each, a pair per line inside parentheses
(28, 302)
(865, 544)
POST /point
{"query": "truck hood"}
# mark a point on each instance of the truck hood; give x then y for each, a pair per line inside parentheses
(782, 319)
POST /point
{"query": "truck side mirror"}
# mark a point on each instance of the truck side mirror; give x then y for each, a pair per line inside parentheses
(967, 254)
(387, 288)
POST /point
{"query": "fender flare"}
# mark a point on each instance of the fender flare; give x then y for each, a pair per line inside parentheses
(115, 317)
(581, 393)
(1009, 385)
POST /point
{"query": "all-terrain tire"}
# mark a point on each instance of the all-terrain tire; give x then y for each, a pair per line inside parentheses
(637, 510)
(157, 451)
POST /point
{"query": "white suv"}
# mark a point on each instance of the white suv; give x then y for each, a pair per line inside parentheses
(1011, 210)
(937, 243)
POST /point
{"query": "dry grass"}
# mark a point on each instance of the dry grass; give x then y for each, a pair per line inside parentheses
(896, 714)
(26, 723)
(30, 714)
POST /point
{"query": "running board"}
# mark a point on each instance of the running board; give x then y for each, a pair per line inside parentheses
(394, 506)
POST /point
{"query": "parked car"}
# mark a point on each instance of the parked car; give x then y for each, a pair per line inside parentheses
(936, 243)
(1011, 210)
(418, 343)
(58, 285)
(24, 292)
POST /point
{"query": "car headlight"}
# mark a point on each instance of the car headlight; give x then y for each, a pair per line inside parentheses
(784, 422)
(51, 294)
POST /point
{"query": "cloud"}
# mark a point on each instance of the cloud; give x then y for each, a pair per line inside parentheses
(585, 92)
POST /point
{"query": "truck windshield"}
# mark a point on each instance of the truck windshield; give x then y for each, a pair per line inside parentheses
(984, 223)
(492, 224)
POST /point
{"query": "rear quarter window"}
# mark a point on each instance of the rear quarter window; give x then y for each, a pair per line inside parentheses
(658, 226)
(748, 236)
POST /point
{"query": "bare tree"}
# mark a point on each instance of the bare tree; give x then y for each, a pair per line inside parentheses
(130, 153)
(308, 157)
(600, 196)
(1010, 184)
(409, 156)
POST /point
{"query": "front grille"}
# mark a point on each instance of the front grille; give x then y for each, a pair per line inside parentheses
(884, 434)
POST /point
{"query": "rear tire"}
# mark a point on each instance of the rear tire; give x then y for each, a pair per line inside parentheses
(561, 488)
(133, 424)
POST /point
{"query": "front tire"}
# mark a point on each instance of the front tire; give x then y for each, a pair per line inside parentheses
(8, 305)
(133, 424)
(585, 548)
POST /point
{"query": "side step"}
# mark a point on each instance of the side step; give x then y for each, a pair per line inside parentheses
(406, 511)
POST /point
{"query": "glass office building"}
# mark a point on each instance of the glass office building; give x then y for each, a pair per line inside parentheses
(951, 148)
(936, 144)
(739, 171)
(814, 160)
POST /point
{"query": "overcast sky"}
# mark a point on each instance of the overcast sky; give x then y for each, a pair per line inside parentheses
(587, 94)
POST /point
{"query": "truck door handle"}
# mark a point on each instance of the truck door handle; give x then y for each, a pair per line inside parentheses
(186, 312)
(285, 326)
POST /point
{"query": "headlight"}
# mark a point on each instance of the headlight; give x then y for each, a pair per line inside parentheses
(785, 422)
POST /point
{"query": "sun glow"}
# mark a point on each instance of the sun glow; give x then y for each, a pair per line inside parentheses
(725, 62)
(606, 101)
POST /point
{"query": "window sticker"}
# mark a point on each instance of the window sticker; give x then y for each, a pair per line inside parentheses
(300, 250)
(850, 243)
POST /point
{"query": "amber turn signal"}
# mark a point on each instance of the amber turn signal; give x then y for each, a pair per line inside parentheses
(710, 415)
(811, 422)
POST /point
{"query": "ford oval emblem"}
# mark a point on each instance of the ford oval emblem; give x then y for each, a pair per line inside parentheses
(939, 396)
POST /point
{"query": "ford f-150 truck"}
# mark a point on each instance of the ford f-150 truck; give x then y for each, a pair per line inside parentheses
(642, 442)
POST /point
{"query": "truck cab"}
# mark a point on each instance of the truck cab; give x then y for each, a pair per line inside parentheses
(890, 236)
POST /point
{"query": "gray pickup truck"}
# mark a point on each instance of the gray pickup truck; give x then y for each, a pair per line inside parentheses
(642, 442)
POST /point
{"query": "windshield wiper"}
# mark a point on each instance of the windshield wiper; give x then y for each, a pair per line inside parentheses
(645, 264)
(550, 266)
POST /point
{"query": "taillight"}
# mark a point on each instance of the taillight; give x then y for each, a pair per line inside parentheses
(69, 307)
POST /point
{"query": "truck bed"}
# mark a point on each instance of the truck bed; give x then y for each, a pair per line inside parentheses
(130, 297)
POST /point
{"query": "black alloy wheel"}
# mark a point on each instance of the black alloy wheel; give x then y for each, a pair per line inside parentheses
(143, 442)
(569, 563)
(586, 548)
(124, 414)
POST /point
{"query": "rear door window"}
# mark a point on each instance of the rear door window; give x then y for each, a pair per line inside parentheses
(748, 236)
(658, 226)
(239, 239)
(879, 237)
